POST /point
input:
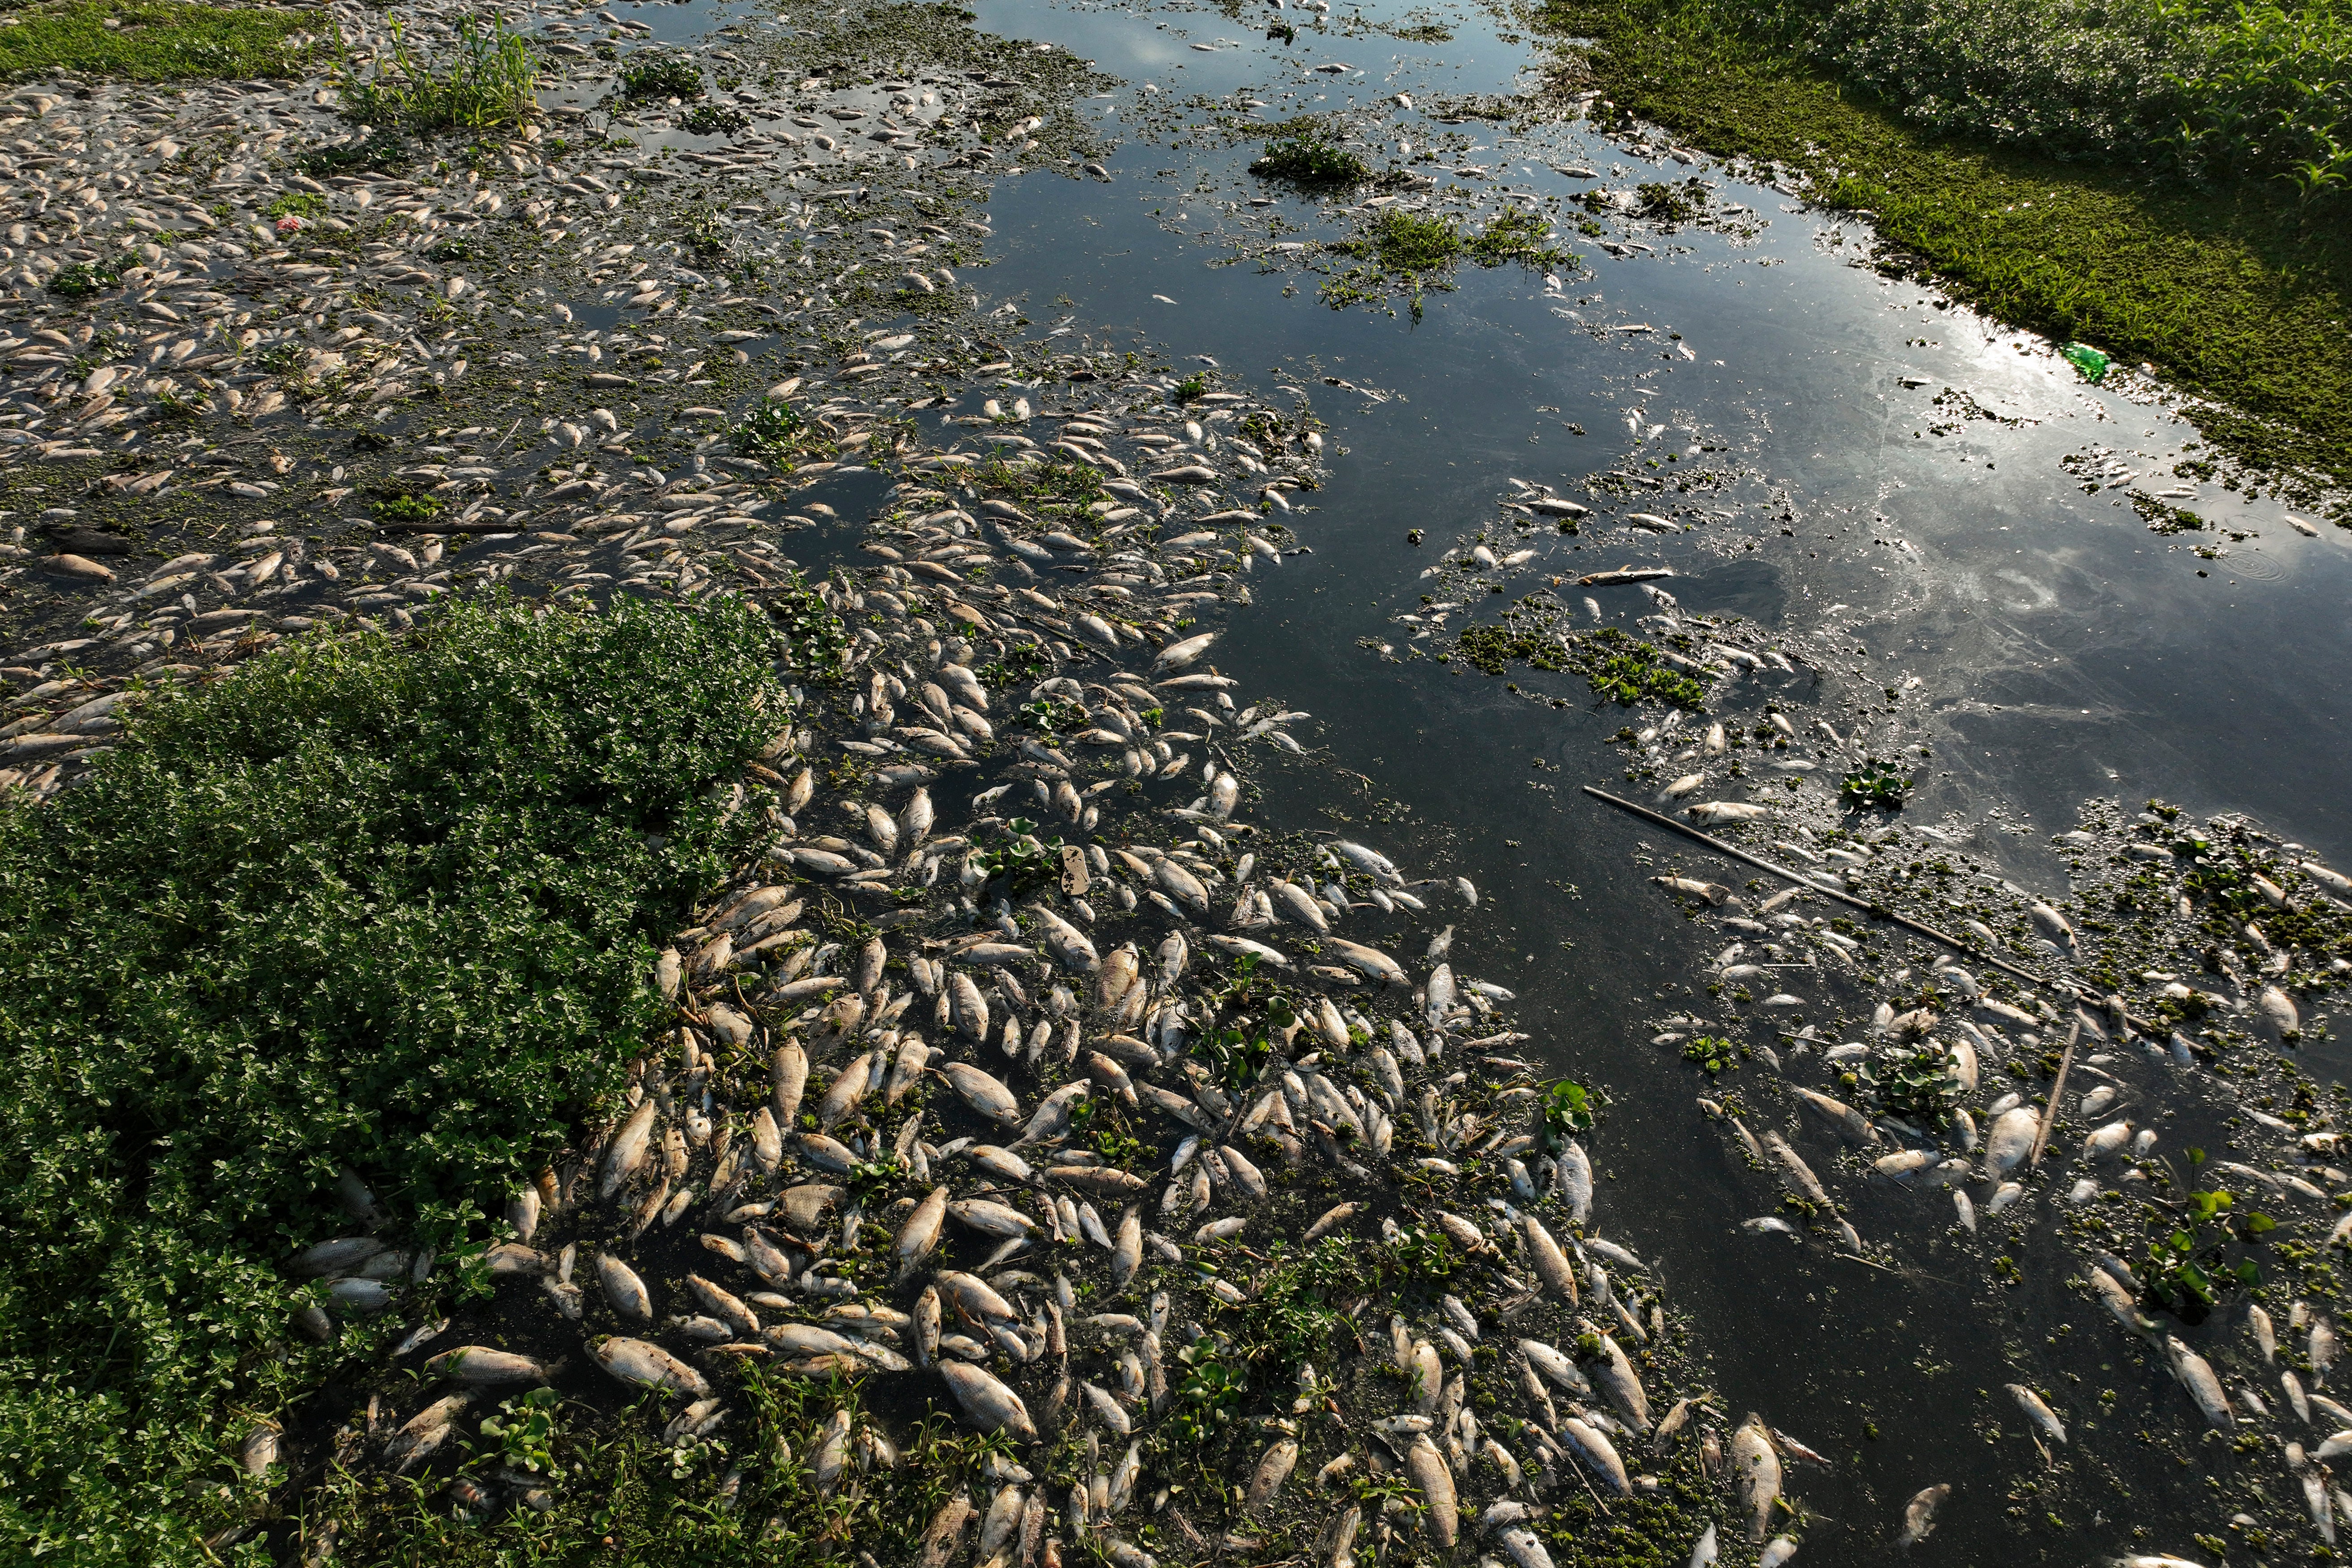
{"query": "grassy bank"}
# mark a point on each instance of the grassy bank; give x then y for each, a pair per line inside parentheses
(154, 40)
(373, 906)
(2240, 291)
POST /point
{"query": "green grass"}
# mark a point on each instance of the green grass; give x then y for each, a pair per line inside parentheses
(380, 904)
(2238, 292)
(491, 81)
(2207, 88)
(153, 41)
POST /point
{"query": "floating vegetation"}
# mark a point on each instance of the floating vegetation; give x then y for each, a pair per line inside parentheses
(646, 75)
(1619, 666)
(85, 279)
(777, 432)
(1305, 153)
(377, 150)
(1411, 252)
(714, 120)
(1875, 784)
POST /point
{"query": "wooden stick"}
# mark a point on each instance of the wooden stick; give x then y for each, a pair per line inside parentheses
(1875, 912)
(2057, 1088)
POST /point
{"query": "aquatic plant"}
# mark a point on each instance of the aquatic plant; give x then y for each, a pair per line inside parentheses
(1875, 783)
(1567, 1109)
(1409, 252)
(776, 432)
(82, 279)
(379, 150)
(1916, 1081)
(1711, 1052)
(2192, 1264)
(490, 81)
(365, 907)
(1022, 862)
(409, 509)
(661, 76)
(1306, 153)
(714, 120)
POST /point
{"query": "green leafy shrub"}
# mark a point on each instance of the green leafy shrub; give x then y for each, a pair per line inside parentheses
(365, 903)
(2194, 85)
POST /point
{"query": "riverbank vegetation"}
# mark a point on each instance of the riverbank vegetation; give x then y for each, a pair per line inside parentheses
(155, 41)
(345, 939)
(2167, 181)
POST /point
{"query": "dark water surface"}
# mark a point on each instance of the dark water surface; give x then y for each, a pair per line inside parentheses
(2063, 651)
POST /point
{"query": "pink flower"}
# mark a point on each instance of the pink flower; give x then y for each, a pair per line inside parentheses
(290, 224)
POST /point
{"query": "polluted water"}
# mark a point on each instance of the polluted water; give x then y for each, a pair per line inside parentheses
(1495, 867)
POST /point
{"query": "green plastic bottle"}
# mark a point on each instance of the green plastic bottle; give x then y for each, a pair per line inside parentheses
(2088, 360)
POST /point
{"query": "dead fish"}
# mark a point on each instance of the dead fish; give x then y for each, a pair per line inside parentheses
(624, 1289)
(1850, 1123)
(648, 1366)
(1551, 1265)
(2196, 1377)
(1600, 1455)
(2037, 1411)
(2010, 1139)
(1919, 1514)
(986, 1403)
(1548, 1361)
(1756, 1465)
(1623, 1386)
(1274, 1468)
(921, 1233)
(985, 1094)
(788, 1082)
(480, 1366)
(423, 1433)
(627, 1150)
(1425, 1467)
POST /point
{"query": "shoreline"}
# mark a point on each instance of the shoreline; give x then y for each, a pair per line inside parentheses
(2234, 297)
